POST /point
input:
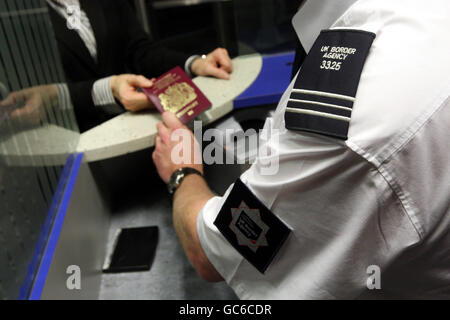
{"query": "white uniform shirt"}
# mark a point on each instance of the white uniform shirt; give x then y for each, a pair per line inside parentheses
(315, 15)
(380, 198)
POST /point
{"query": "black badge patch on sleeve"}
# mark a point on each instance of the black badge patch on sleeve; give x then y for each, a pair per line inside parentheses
(323, 95)
(252, 229)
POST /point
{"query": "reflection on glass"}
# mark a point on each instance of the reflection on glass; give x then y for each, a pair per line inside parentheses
(30, 126)
(37, 134)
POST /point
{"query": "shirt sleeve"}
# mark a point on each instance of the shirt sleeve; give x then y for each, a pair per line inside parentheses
(343, 215)
(187, 65)
(225, 259)
(103, 98)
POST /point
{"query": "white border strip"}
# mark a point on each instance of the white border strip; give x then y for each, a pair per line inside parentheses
(335, 106)
(324, 94)
(318, 114)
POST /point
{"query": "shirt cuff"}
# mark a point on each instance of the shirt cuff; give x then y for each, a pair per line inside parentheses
(103, 98)
(187, 65)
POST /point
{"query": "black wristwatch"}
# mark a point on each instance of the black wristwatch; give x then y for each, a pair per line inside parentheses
(178, 176)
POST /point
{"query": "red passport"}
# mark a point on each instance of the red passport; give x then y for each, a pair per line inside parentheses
(175, 92)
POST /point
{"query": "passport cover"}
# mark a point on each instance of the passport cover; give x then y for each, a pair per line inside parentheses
(175, 92)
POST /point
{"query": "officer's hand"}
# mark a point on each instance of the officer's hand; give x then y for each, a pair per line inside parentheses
(175, 148)
(125, 89)
(216, 64)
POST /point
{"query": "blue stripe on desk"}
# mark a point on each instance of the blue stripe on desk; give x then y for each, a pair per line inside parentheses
(271, 83)
(45, 231)
(52, 231)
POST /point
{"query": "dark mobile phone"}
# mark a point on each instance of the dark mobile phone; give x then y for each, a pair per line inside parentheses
(134, 250)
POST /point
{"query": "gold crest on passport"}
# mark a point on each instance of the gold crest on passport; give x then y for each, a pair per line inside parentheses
(177, 96)
(175, 92)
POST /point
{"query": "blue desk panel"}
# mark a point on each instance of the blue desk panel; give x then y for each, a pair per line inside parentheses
(271, 83)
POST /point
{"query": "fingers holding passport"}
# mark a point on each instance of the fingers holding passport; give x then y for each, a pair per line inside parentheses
(171, 121)
(175, 147)
(169, 124)
(164, 145)
(125, 90)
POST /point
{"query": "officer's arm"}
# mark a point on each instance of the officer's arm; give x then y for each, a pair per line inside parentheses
(190, 197)
(189, 200)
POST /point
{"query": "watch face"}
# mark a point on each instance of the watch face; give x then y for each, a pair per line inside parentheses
(175, 181)
(179, 178)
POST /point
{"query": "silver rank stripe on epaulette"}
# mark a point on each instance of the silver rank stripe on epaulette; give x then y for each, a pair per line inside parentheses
(321, 104)
(316, 110)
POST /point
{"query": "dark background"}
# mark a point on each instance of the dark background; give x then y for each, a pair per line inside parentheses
(242, 26)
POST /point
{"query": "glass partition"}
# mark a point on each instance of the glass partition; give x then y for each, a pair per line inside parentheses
(38, 132)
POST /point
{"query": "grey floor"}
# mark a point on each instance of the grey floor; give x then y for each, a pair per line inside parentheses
(143, 201)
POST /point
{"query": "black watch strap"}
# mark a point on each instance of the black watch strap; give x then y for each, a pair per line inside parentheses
(178, 176)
